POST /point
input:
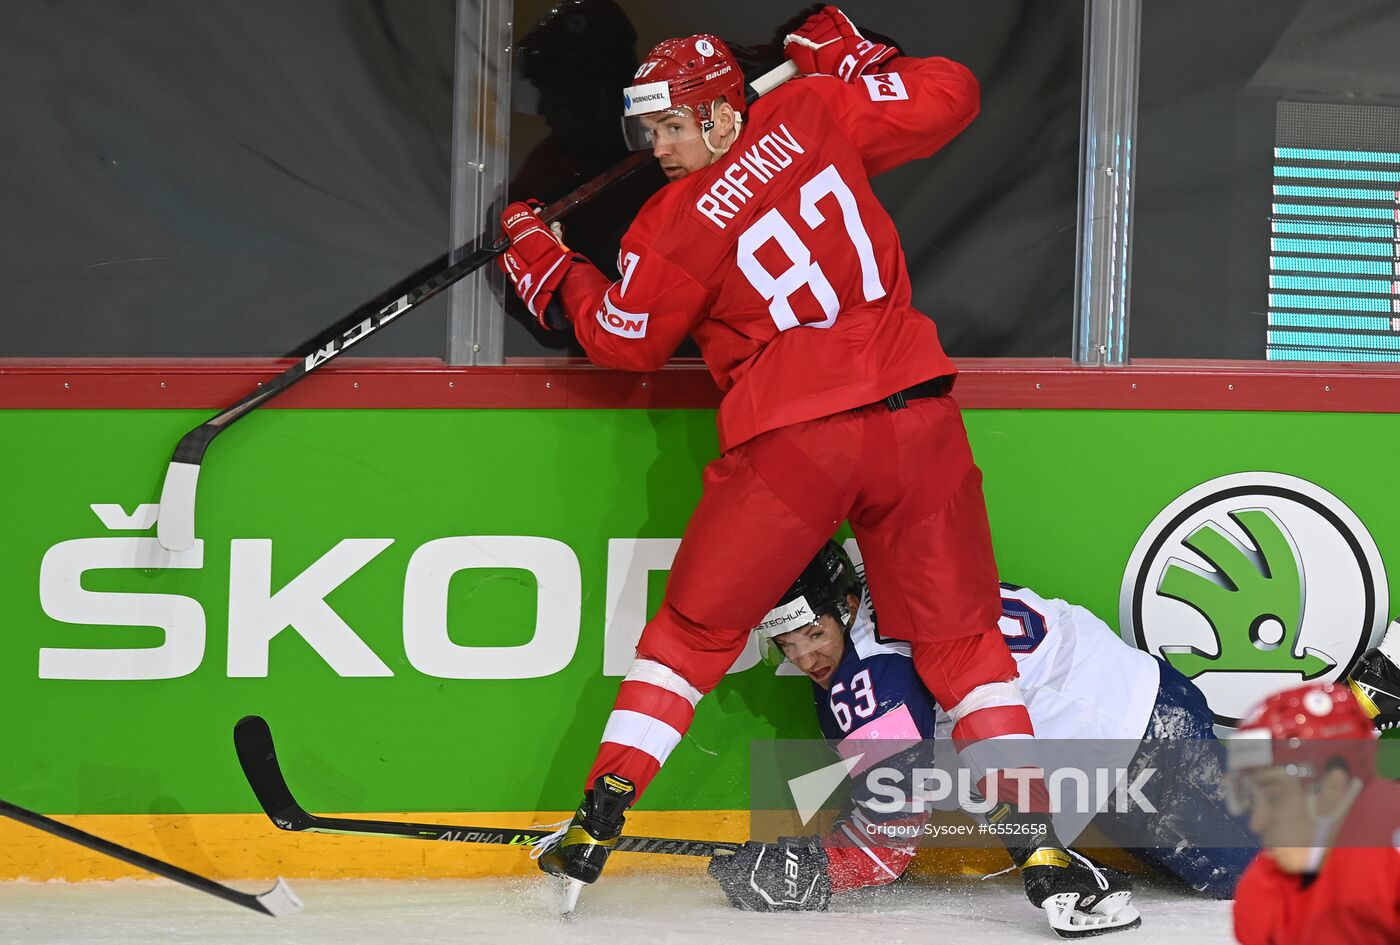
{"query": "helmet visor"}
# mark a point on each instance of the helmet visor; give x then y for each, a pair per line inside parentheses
(669, 126)
(793, 630)
(796, 645)
(649, 116)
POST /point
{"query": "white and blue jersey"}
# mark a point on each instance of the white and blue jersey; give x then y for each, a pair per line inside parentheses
(1080, 682)
(875, 692)
(1078, 679)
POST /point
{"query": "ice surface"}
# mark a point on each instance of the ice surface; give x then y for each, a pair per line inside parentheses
(618, 910)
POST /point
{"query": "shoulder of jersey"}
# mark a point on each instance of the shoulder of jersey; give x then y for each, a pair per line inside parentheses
(803, 87)
(657, 213)
(863, 635)
(1023, 594)
(802, 97)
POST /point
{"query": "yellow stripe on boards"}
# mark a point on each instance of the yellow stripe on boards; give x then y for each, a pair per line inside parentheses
(247, 846)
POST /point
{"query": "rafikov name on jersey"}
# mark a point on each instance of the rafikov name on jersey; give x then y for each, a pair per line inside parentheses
(761, 163)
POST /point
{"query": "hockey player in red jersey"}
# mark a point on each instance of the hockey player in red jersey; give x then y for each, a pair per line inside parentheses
(769, 248)
(1304, 765)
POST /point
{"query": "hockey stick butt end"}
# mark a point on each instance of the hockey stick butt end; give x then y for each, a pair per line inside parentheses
(773, 78)
(175, 523)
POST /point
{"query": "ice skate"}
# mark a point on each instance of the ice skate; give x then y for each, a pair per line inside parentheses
(1079, 898)
(1376, 681)
(578, 850)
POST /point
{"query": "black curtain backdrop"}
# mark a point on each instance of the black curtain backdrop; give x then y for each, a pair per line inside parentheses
(218, 178)
(225, 178)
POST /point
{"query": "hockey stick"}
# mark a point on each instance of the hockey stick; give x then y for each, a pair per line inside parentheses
(258, 757)
(175, 524)
(278, 902)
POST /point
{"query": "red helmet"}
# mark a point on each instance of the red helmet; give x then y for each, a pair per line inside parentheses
(1307, 729)
(690, 72)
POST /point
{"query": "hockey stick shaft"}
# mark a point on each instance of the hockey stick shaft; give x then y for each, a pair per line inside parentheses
(257, 755)
(175, 525)
(277, 902)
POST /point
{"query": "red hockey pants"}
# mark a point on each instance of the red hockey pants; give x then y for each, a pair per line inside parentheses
(906, 481)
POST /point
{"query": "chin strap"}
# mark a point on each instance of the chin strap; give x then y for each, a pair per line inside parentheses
(1322, 831)
(717, 153)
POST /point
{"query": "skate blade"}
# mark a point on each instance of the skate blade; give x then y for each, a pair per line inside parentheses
(1114, 913)
(572, 888)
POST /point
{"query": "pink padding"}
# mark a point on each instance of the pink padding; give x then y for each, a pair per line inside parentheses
(879, 739)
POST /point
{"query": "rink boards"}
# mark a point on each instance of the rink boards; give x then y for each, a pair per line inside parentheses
(433, 606)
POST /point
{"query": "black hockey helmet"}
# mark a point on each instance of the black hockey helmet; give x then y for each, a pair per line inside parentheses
(820, 589)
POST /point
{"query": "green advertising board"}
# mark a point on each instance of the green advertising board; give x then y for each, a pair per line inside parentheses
(433, 608)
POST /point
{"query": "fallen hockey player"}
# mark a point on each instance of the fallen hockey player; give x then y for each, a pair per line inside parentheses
(1079, 680)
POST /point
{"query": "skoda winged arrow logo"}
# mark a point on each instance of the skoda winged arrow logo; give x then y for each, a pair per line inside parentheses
(1251, 583)
(1262, 590)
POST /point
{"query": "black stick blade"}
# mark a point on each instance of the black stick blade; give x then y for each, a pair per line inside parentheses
(277, 902)
(258, 756)
(252, 738)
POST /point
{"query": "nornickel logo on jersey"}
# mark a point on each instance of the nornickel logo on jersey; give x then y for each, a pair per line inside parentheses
(1252, 583)
(886, 87)
(620, 323)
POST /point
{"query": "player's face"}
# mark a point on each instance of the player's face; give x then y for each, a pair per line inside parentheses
(1279, 814)
(817, 648)
(676, 140)
(676, 143)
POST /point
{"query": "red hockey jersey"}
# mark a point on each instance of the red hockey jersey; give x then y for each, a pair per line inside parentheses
(779, 259)
(1353, 900)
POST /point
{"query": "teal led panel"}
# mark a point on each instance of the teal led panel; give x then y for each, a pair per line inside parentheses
(1335, 241)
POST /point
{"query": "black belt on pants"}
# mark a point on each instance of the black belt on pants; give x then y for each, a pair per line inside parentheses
(937, 387)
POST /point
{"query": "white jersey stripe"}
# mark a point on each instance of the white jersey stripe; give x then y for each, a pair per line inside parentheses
(642, 732)
(661, 676)
(989, 696)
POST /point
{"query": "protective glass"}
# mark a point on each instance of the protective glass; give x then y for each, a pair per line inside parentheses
(671, 126)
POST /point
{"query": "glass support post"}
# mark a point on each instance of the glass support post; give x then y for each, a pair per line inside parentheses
(480, 173)
(1108, 123)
